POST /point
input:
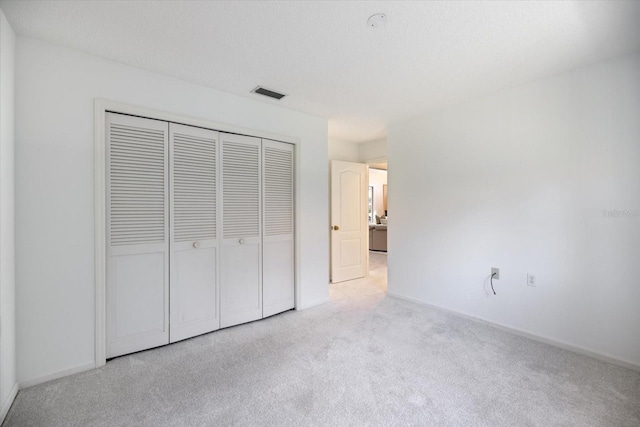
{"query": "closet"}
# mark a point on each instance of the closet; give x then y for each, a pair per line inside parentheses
(199, 231)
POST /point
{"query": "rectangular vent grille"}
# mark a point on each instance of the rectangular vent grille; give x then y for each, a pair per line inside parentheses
(266, 92)
(137, 191)
(194, 188)
(278, 188)
(241, 190)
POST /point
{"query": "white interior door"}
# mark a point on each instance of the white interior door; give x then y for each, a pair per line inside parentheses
(194, 238)
(137, 234)
(349, 224)
(241, 257)
(277, 240)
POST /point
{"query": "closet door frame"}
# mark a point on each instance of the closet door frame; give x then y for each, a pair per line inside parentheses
(103, 106)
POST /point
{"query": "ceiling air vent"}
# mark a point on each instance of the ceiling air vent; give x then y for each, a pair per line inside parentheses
(267, 92)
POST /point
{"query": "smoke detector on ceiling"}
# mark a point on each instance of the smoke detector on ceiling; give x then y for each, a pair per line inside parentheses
(377, 20)
(270, 93)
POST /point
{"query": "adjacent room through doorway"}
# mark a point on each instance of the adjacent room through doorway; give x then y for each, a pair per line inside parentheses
(378, 222)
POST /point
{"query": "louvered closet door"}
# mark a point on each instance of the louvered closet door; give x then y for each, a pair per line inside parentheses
(278, 243)
(137, 234)
(194, 231)
(241, 257)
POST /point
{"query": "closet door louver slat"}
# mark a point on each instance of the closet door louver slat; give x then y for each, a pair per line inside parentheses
(278, 191)
(138, 152)
(194, 178)
(241, 190)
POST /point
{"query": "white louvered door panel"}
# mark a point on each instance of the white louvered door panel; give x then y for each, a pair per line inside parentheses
(277, 240)
(137, 234)
(241, 257)
(194, 231)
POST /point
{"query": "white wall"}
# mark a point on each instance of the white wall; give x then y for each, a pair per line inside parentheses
(378, 178)
(56, 88)
(520, 181)
(372, 150)
(357, 152)
(343, 150)
(7, 219)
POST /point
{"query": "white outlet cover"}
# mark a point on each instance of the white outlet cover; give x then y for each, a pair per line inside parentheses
(531, 280)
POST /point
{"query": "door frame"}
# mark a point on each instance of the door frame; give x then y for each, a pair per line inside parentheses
(101, 107)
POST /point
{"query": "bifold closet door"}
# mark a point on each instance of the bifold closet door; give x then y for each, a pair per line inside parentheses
(241, 254)
(194, 231)
(278, 240)
(137, 234)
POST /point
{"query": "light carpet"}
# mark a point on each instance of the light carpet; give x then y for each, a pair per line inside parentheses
(362, 359)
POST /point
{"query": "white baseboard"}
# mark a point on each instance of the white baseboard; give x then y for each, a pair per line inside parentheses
(314, 304)
(526, 334)
(55, 375)
(6, 405)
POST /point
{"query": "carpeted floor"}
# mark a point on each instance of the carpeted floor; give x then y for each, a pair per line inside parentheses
(362, 359)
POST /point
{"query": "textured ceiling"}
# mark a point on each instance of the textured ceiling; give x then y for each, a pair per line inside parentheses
(322, 54)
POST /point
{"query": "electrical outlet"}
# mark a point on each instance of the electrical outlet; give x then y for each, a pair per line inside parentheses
(531, 280)
(496, 271)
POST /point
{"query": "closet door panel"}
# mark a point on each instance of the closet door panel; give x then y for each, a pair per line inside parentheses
(135, 297)
(137, 234)
(242, 300)
(278, 284)
(278, 237)
(194, 308)
(194, 243)
(241, 258)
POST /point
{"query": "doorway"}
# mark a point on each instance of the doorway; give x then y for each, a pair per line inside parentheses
(378, 222)
(359, 215)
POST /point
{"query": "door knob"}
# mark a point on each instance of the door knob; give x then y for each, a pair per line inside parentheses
(336, 228)
(196, 245)
(241, 241)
